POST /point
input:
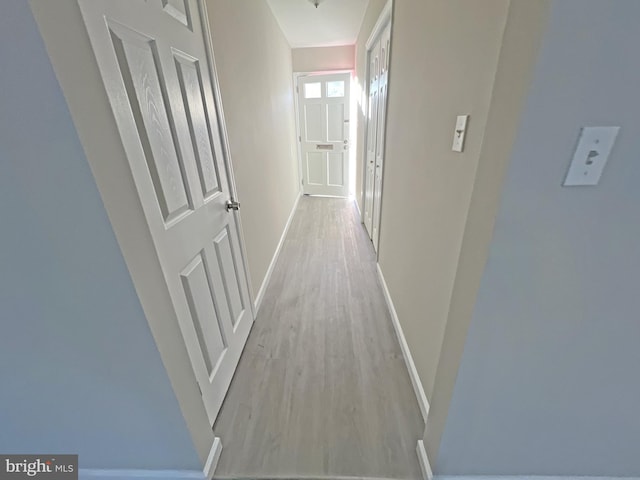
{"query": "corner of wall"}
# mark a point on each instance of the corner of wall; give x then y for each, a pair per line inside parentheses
(522, 37)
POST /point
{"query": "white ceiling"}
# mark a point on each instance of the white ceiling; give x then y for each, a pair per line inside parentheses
(334, 22)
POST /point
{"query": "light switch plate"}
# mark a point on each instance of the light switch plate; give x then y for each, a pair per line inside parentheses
(459, 133)
(591, 155)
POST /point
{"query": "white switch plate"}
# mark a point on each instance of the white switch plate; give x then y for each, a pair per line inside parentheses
(592, 153)
(459, 133)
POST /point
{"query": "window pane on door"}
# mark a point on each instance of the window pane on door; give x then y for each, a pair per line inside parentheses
(312, 90)
(335, 89)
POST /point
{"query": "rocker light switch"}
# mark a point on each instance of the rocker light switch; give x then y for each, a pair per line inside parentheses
(459, 134)
(592, 153)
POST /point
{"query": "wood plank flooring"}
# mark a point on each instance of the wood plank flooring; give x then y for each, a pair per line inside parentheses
(321, 389)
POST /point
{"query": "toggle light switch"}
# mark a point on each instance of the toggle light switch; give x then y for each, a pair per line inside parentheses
(592, 153)
(460, 131)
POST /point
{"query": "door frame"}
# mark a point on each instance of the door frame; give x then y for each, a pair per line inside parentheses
(352, 123)
(69, 48)
(385, 18)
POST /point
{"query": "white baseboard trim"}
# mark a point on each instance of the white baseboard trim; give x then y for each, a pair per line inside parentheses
(527, 477)
(212, 459)
(267, 277)
(423, 460)
(119, 474)
(140, 474)
(355, 200)
(413, 373)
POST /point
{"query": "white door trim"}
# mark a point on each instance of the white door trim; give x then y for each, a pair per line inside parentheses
(423, 460)
(383, 19)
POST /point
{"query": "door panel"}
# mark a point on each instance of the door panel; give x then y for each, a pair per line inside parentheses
(198, 290)
(179, 10)
(228, 266)
(191, 87)
(335, 123)
(155, 67)
(324, 123)
(313, 122)
(336, 169)
(315, 168)
(141, 76)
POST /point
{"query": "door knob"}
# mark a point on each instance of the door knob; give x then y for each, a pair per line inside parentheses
(232, 205)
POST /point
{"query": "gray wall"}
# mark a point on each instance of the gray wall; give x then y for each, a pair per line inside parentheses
(549, 382)
(79, 370)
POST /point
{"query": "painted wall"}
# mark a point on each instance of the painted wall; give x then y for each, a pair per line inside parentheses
(79, 369)
(437, 72)
(318, 59)
(526, 22)
(257, 96)
(549, 379)
(374, 8)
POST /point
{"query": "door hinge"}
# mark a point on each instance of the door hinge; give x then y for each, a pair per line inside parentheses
(299, 138)
(199, 389)
(303, 182)
(297, 89)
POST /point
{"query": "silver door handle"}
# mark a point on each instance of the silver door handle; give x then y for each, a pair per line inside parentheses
(232, 205)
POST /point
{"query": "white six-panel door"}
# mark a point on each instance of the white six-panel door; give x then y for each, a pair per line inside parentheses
(323, 103)
(154, 64)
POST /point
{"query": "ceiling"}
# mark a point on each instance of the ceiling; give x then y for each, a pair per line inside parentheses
(334, 22)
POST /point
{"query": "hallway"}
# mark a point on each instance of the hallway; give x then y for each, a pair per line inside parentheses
(322, 388)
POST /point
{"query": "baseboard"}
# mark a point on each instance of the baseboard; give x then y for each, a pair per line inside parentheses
(527, 477)
(358, 209)
(423, 460)
(302, 477)
(427, 473)
(413, 373)
(212, 459)
(117, 474)
(140, 474)
(267, 277)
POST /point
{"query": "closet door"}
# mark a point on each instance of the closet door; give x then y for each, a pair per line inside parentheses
(382, 83)
(371, 132)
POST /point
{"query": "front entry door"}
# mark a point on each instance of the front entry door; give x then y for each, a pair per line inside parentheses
(323, 103)
(155, 67)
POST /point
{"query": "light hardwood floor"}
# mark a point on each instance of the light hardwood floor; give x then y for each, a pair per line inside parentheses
(322, 388)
